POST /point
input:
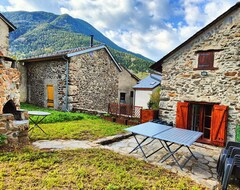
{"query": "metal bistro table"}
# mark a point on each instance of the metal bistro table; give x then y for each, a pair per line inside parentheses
(40, 117)
(167, 136)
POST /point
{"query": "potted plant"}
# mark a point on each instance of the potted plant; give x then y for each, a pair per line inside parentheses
(109, 117)
(133, 122)
(122, 120)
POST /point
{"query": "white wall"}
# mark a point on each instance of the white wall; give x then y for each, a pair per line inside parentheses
(142, 98)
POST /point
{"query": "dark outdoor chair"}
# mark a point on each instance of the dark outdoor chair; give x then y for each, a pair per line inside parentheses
(231, 166)
(223, 155)
(162, 122)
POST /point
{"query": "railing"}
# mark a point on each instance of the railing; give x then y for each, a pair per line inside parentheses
(126, 110)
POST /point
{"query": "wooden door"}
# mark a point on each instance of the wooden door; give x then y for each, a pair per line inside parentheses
(50, 96)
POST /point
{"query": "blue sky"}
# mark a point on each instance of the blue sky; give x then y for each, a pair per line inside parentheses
(149, 27)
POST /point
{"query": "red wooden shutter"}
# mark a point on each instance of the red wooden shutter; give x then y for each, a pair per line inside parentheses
(205, 60)
(219, 125)
(182, 115)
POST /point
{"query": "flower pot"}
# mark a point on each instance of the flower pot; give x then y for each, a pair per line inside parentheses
(148, 115)
(122, 121)
(132, 122)
(109, 118)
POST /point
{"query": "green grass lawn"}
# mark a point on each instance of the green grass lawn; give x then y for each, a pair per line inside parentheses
(84, 169)
(77, 126)
(81, 169)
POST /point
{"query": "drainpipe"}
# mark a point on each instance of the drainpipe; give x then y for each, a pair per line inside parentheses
(67, 73)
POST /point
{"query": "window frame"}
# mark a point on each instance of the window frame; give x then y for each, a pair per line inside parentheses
(209, 58)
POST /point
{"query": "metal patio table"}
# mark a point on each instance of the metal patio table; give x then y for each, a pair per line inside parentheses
(40, 117)
(167, 136)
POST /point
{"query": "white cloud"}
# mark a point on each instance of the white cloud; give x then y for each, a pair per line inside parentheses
(33, 5)
(2, 8)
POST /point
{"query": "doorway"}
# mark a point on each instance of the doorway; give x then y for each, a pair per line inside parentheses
(208, 118)
(200, 119)
(50, 96)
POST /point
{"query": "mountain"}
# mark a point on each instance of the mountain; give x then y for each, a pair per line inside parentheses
(41, 32)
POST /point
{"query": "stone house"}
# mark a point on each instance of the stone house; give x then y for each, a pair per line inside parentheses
(200, 87)
(81, 79)
(15, 130)
(144, 88)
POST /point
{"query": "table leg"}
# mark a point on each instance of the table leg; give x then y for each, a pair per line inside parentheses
(171, 153)
(36, 124)
(140, 146)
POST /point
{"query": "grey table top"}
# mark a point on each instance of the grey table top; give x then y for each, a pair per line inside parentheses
(179, 136)
(38, 113)
(166, 133)
(148, 129)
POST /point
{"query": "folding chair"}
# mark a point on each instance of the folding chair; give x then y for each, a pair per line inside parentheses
(223, 155)
(231, 166)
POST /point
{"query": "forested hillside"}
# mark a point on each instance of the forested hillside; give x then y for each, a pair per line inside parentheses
(40, 32)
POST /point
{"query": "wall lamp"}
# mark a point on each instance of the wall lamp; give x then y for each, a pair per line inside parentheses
(204, 73)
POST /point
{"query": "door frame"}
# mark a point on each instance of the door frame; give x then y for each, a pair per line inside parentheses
(201, 139)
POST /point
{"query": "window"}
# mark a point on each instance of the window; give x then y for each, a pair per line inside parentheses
(122, 97)
(205, 60)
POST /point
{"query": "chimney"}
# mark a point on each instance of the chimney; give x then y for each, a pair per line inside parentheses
(91, 41)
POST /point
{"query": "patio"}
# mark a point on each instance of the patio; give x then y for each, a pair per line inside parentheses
(203, 170)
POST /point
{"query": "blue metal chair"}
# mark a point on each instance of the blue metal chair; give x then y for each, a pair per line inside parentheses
(223, 155)
(231, 166)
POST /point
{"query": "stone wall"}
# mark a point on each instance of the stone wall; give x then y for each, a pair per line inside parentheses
(9, 83)
(181, 82)
(93, 81)
(126, 82)
(4, 38)
(15, 130)
(41, 74)
(23, 82)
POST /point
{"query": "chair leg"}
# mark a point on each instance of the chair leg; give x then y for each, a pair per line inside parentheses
(227, 174)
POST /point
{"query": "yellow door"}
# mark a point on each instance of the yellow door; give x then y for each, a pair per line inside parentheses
(50, 95)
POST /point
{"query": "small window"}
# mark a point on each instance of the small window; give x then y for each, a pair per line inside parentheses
(205, 60)
(122, 97)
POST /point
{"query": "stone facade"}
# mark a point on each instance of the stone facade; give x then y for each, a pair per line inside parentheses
(9, 82)
(93, 81)
(41, 74)
(4, 34)
(180, 82)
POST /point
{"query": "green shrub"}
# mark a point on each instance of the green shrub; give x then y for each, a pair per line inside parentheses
(154, 99)
(2, 139)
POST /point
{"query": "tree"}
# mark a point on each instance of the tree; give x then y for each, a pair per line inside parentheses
(154, 99)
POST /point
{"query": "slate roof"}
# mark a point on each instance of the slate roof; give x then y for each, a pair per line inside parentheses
(10, 25)
(150, 82)
(60, 53)
(63, 54)
(158, 65)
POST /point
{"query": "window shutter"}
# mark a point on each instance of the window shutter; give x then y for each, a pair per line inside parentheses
(182, 115)
(205, 60)
(219, 125)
